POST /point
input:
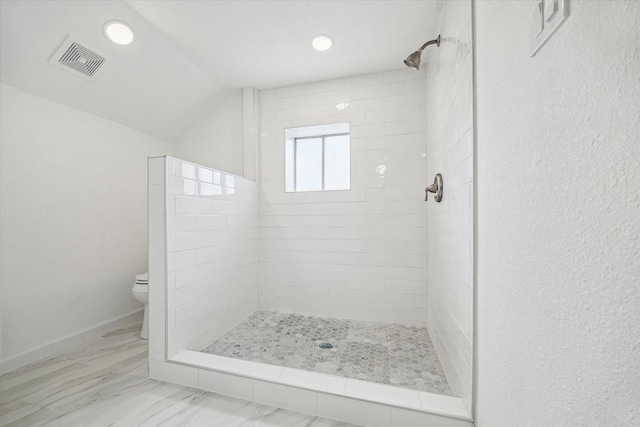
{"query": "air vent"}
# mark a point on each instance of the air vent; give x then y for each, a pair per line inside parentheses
(79, 59)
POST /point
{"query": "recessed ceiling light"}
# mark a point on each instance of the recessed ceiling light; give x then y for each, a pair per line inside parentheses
(342, 105)
(322, 42)
(118, 32)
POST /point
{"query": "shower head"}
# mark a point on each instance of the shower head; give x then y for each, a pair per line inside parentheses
(413, 60)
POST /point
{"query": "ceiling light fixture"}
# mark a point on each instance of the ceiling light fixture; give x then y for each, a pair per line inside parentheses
(322, 42)
(118, 32)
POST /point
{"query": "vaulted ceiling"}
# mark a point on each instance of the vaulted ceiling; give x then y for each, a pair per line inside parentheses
(188, 55)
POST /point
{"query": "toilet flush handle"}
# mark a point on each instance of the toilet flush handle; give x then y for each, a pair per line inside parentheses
(436, 188)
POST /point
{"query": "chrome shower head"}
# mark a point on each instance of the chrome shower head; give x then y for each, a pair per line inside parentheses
(413, 60)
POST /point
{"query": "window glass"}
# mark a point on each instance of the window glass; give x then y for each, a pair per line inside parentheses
(317, 158)
(308, 164)
(336, 163)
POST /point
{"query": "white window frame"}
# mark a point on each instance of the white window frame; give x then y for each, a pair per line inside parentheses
(295, 158)
(293, 135)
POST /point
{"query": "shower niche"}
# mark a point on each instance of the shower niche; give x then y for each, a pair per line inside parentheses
(354, 305)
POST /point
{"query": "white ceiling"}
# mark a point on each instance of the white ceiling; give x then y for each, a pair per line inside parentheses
(188, 55)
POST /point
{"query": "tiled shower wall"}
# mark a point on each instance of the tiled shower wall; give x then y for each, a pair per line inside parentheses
(450, 152)
(359, 253)
(212, 253)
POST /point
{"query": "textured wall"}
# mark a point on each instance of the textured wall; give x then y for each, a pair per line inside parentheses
(450, 222)
(559, 217)
(73, 215)
(357, 253)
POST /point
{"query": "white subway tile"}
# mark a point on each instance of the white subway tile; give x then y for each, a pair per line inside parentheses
(178, 260)
(364, 80)
(353, 411)
(181, 296)
(286, 397)
(230, 385)
(211, 222)
(386, 89)
(310, 100)
(405, 417)
(403, 75)
(310, 293)
(192, 205)
(416, 274)
(406, 286)
(314, 380)
(290, 91)
(403, 101)
(173, 373)
(209, 190)
(276, 291)
(385, 194)
(205, 175)
(381, 272)
(201, 239)
(189, 275)
(171, 166)
(346, 95)
(417, 315)
(180, 223)
(366, 284)
(187, 170)
(381, 392)
(416, 301)
(187, 312)
(181, 186)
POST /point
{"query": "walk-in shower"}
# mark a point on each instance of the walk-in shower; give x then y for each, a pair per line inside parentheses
(350, 304)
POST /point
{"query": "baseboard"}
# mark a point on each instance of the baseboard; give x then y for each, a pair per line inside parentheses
(58, 346)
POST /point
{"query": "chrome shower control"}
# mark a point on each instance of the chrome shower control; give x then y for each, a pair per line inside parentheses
(436, 188)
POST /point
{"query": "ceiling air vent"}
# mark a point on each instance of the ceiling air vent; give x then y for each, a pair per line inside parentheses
(79, 59)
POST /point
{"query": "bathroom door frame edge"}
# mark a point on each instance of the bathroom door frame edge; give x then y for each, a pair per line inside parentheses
(474, 126)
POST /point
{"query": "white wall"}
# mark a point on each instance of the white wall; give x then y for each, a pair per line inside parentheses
(449, 74)
(73, 219)
(216, 140)
(358, 253)
(212, 253)
(559, 217)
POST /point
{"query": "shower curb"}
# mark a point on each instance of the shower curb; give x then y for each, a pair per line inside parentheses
(311, 393)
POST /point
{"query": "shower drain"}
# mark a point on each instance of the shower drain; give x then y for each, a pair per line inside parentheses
(324, 345)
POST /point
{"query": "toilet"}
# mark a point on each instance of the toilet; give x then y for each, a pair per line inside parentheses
(141, 293)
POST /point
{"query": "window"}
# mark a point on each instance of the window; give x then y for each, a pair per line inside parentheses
(317, 158)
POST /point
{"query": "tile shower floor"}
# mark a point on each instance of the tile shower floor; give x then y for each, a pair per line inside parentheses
(392, 354)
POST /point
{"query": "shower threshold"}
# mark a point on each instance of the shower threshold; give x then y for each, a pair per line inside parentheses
(315, 393)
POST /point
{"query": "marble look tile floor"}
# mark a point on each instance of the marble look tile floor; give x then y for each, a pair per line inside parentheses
(104, 383)
(392, 354)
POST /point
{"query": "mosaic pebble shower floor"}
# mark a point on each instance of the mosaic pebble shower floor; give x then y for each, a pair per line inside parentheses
(397, 355)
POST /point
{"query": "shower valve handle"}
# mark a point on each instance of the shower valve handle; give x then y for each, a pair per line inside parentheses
(435, 188)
